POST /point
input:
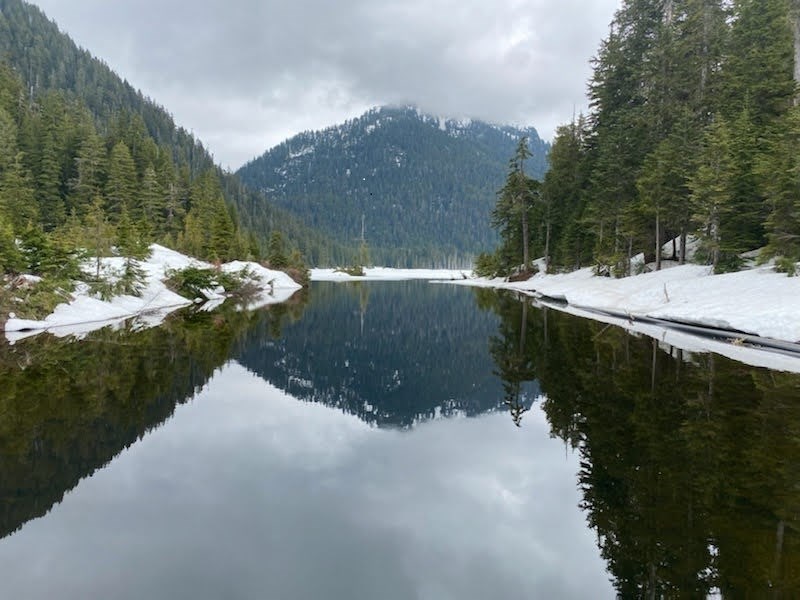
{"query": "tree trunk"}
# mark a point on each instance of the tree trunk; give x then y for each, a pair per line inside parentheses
(526, 259)
(715, 241)
(658, 240)
(547, 249)
(682, 258)
(794, 15)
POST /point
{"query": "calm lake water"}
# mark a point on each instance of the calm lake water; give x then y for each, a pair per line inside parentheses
(393, 440)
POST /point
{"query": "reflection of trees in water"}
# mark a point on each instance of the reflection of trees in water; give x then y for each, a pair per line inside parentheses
(67, 408)
(690, 463)
(513, 362)
(391, 353)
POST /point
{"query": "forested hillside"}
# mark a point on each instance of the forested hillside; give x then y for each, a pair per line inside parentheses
(694, 130)
(81, 148)
(425, 186)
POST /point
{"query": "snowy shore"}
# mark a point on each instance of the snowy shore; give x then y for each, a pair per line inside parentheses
(755, 302)
(86, 313)
(758, 301)
(391, 274)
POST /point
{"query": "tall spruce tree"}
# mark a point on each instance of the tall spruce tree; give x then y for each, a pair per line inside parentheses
(711, 187)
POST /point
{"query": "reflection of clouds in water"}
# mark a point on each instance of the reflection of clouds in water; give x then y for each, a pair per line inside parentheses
(249, 493)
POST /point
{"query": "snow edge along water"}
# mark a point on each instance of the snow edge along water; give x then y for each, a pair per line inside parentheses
(86, 312)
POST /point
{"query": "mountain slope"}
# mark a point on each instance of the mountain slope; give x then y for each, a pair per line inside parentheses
(424, 185)
(47, 60)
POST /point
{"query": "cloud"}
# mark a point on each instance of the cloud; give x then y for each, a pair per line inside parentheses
(247, 492)
(245, 74)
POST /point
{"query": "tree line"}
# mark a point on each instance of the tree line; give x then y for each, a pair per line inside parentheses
(65, 186)
(53, 70)
(693, 133)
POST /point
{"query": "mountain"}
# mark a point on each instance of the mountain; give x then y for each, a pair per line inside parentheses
(58, 78)
(423, 186)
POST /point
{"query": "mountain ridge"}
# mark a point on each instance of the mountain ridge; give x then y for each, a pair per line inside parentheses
(424, 184)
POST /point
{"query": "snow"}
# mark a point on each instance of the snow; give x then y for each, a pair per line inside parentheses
(86, 313)
(758, 301)
(390, 274)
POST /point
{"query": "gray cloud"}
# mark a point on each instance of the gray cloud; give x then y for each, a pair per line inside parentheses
(248, 493)
(246, 74)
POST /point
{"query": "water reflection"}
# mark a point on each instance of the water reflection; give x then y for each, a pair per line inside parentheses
(248, 493)
(277, 482)
(690, 463)
(67, 409)
(393, 354)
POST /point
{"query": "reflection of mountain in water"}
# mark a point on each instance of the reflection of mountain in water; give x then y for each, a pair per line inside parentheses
(391, 353)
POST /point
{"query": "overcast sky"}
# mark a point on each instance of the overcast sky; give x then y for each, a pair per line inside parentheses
(244, 75)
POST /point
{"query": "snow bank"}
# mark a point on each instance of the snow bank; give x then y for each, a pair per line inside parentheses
(758, 301)
(389, 274)
(86, 313)
(276, 280)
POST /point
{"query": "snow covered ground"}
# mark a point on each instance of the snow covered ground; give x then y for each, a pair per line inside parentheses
(757, 301)
(86, 313)
(389, 274)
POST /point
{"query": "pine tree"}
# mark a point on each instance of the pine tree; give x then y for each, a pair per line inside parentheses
(99, 234)
(780, 169)
(153, 201)
(122, 182)
(711, 189)
(90, 170)
(563, 191)
(276, 252)
(11, 259)
(17, 196)
(133, 246)
(512, 212)
(758, 70)
(663, 187)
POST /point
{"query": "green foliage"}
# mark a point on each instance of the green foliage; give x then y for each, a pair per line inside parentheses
(357, 271)
(38, 300)
(426, 194)
(192, 281)
(11, 259)
(786, 265)
(692, 132)
(514, 212)
(276, 253)
(487, 265)
(72, 131)
(46, 257)
(297, 269)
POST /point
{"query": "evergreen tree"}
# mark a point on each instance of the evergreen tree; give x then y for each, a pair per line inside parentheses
(99, 233)
(90, 169)
(512, 213)
(780, 170)
(11, 260)
(276, 252)
(758, 68)
(122, 183)
(563, 191)
(17, 196)
(711, 190)
(663, 186)
(132, 245)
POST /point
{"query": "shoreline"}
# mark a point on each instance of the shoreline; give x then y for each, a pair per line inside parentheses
(85, 312)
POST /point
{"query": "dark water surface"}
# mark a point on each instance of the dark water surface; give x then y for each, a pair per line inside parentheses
(397, 440)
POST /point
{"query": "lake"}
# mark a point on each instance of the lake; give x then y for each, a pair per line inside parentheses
(393, 440)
